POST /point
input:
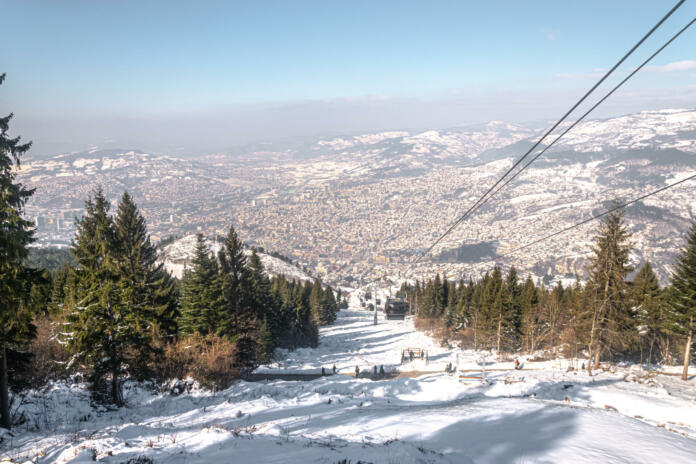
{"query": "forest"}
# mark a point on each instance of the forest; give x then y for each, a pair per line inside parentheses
(608, 318)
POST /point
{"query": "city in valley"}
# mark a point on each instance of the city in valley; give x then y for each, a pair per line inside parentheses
(352, 209)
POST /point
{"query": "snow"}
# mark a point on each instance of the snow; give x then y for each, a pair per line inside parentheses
(543, 413)
(178, 255)
(658, 128)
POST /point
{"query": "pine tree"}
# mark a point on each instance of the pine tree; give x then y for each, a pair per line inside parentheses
(304, 322)
(147, 289)
(330, 304)
(266, 343)
(240, 317)
(266, 306)
(16, 233)
(682, 300)
(427, 304)
(512, 308)
(646, 297)
(529, 301)
(261, 297)
(608, 270)
(316, 303)
(201, 300)
(440, 294)
(104, 333)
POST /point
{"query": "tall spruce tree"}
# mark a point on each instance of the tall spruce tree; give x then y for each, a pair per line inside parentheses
(316, 303)
(260, 285)
(240, 317)
(146, 288)
(330, 304)
(529, 301)
(201, 299)
(16, 233)
(608, 270)
(266, 306)
(103, 333)
(646, 297)
(682, 300)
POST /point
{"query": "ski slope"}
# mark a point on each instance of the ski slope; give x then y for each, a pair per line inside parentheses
(540, 414)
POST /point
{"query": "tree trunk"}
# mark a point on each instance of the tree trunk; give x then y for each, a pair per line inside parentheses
(4, 393)
(115, 390)
(500, 325)
(641, 354)
(596, 357)
(687, 351)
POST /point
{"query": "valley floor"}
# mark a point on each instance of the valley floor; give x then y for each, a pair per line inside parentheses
(540, 414)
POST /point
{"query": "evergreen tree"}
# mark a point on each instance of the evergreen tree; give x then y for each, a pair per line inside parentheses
(261, 298)
(646, 298)
(104, 333)
(304, 322)
(440, 294)
(529, 301)
(266, 306)
(201, 300)
(146, 288)
(266, 343)
(240, 317)
(16, 233)
(682, 300)
(427, 306)
(330, 304)
(512, 308)
(608, 270)
(316, 303)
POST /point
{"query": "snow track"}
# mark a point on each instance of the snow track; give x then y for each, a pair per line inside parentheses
(540, 415)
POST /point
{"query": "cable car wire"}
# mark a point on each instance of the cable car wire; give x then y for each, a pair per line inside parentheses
(578, 224)
(563, 118)
(592, 109)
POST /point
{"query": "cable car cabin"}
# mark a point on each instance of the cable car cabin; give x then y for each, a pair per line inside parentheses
(362, 303)
(368, 295)
(378, 302)
(395, 308)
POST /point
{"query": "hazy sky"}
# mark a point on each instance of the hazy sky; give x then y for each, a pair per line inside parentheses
(192, 77)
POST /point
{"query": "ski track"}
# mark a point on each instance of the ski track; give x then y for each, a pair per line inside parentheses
(543, 414)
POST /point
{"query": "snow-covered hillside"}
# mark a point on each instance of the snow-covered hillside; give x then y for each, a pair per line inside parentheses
(659, 129)
(543, 413)
(178, 255)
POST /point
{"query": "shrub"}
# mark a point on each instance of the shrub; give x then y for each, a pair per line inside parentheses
(207, 359)
(47, 359)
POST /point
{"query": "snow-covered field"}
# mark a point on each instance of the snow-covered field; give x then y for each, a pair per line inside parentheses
(540, 414)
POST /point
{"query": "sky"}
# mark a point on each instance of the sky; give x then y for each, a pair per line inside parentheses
(198, 77)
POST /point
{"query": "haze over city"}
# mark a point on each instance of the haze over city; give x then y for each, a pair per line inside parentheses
(180, 78)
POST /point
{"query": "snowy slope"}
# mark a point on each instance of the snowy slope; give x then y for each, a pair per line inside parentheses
(543, 414)
(178, 255)
(658, 129)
